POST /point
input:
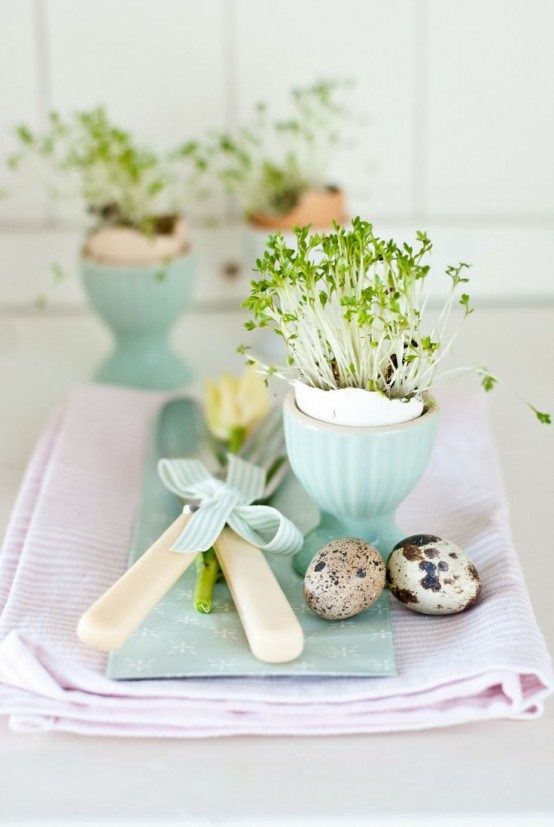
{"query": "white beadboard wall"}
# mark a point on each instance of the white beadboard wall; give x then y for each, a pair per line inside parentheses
(454, 130)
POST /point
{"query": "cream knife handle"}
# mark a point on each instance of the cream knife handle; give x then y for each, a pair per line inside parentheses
(271, 627)
(111, 621)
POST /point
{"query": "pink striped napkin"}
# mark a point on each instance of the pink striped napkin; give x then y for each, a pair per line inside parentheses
(69, 538)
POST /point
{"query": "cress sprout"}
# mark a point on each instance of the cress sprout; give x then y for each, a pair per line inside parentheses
(269, 164)
(350, 308)
(87, 156)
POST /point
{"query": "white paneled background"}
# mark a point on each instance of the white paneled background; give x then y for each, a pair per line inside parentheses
(454, 132)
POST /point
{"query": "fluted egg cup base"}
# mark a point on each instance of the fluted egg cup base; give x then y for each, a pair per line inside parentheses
(144, 362)
(356, 475)
(140, 305)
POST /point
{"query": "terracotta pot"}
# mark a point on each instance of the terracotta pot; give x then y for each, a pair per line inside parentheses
(125, 246)
(316, 207)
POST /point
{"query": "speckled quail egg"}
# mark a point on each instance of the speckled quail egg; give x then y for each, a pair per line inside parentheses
(432, 576)
(344, 578)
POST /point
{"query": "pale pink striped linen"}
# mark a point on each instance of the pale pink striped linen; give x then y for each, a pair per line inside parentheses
(69, 538)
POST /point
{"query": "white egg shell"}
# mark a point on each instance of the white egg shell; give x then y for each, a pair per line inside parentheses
(432, 576)
(344, 578)
(355, 406)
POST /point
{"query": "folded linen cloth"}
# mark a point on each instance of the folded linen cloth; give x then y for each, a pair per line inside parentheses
(68, 540)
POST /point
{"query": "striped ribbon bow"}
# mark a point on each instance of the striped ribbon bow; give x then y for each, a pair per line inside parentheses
(227, 502)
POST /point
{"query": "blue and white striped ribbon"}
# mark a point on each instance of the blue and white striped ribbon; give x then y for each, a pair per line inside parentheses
(227, 502)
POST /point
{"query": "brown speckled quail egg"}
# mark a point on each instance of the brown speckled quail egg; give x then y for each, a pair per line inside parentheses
(432, 576)
(344, 578)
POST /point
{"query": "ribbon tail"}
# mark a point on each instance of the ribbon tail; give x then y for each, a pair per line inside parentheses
(266, 528)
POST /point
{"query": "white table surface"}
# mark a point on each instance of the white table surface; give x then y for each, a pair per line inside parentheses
(493, 773)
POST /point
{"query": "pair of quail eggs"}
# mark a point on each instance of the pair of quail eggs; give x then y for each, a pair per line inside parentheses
(426, 573)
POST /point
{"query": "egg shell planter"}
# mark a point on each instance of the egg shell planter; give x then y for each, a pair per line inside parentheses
(129, 247)
(135, 262)
(276, 168)
(360, 423)
(350, 309)
(317, 207)
(355, 406)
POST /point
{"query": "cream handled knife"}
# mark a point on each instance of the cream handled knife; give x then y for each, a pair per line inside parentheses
(270, 625)
(110, 622)
(269, 622)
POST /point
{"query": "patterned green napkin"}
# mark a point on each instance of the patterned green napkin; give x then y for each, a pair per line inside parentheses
(176, 641)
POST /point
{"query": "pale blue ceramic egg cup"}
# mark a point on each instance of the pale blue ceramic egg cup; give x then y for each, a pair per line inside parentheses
(357, 476)
(140, 305)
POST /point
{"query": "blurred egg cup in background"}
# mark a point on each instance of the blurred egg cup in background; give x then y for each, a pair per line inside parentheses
(135, 259)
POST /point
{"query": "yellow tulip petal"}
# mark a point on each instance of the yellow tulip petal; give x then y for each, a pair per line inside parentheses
(233, 403)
